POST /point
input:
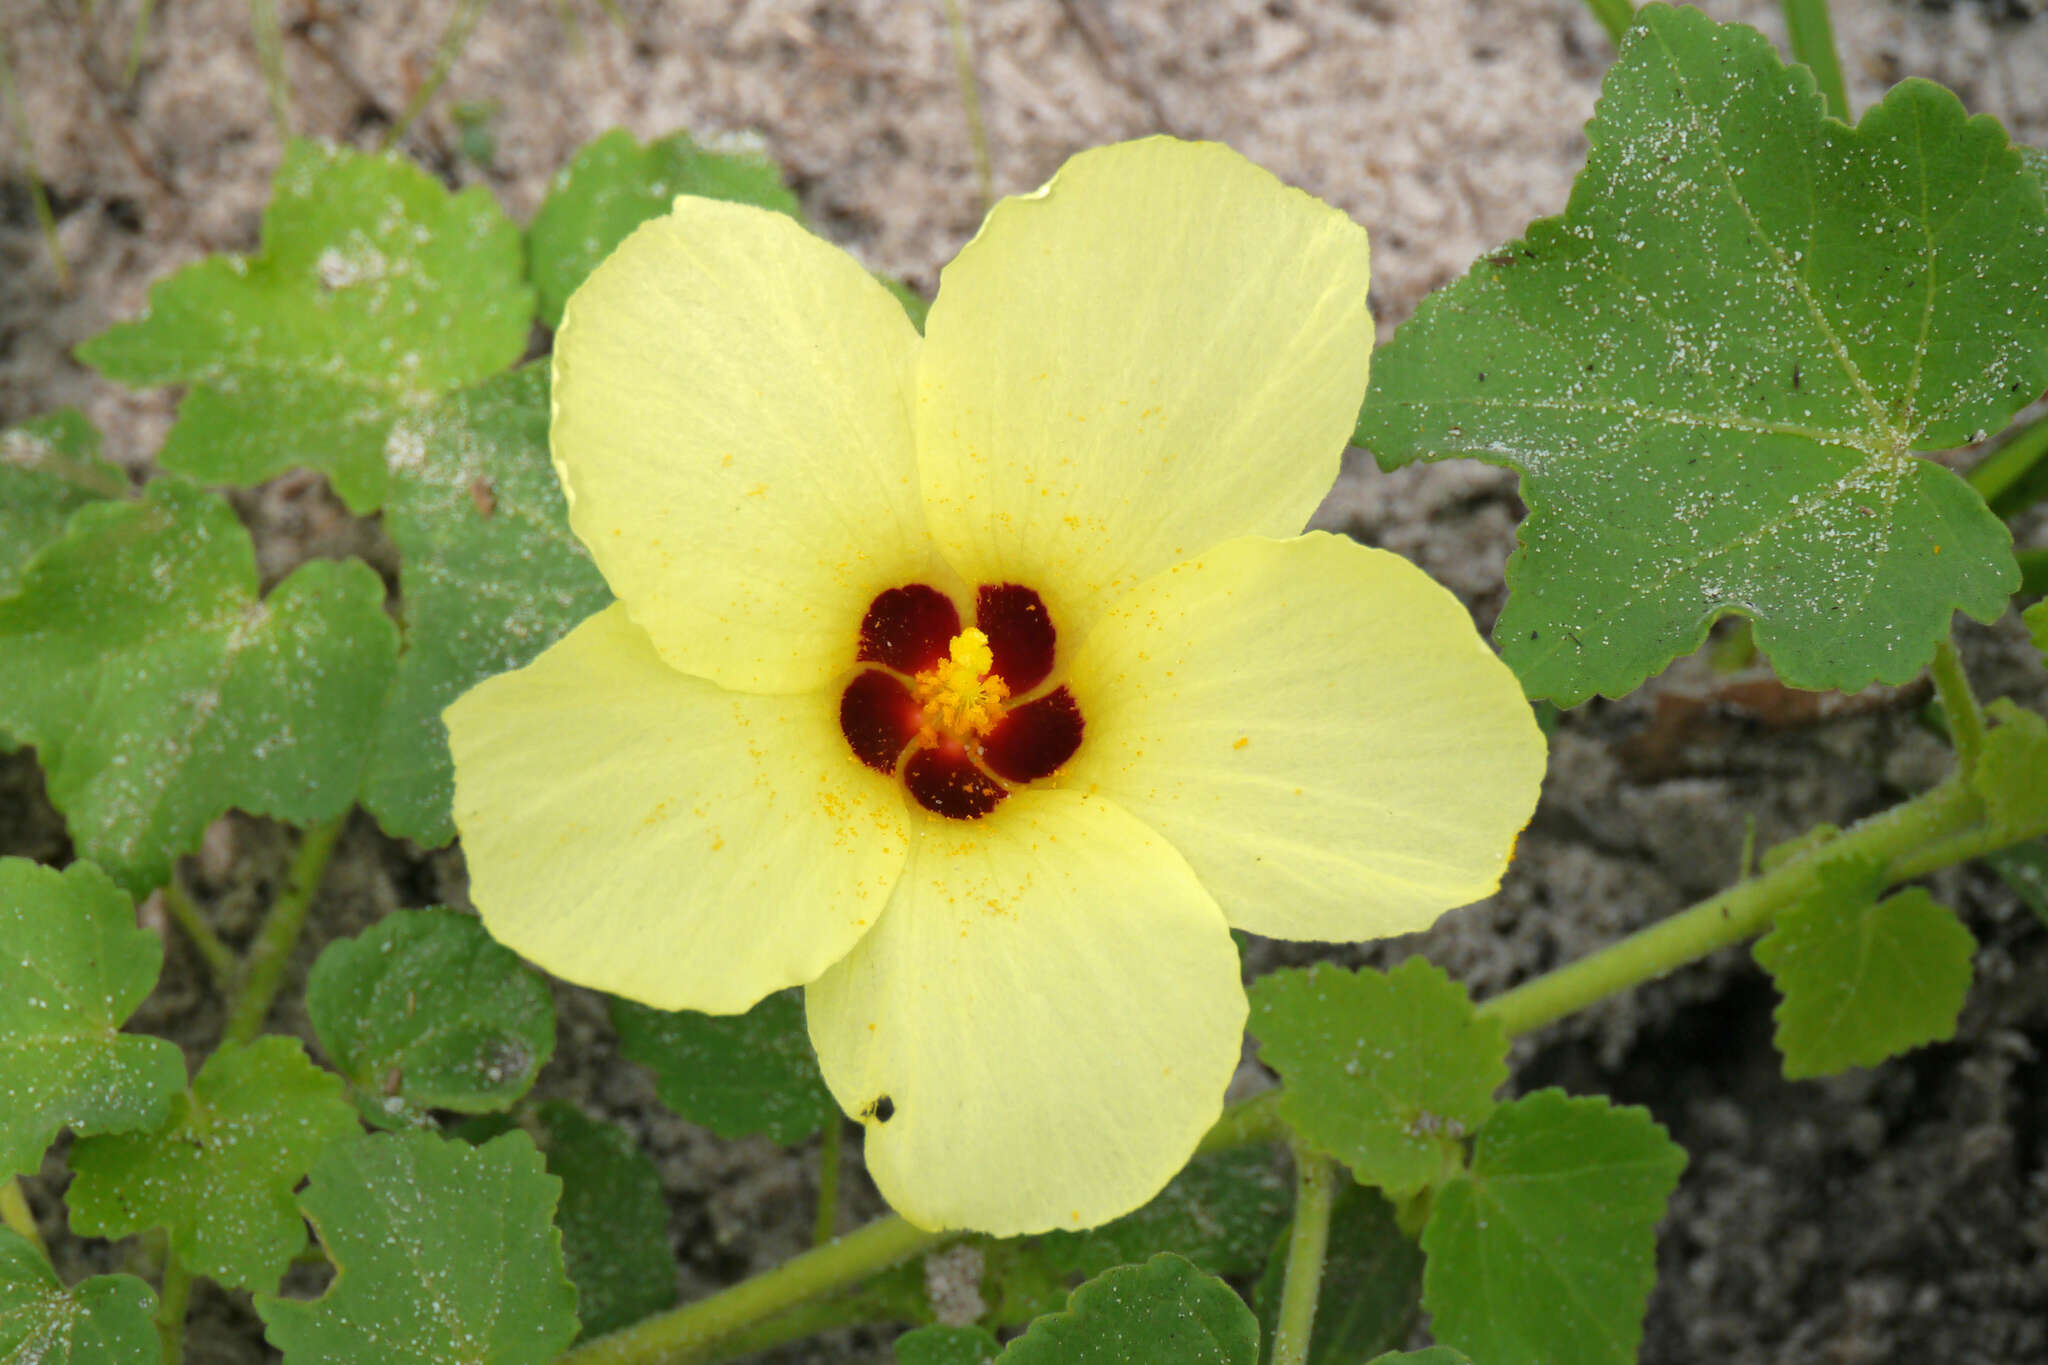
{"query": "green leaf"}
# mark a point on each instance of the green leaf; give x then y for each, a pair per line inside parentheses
(1223, 1214)
(1545, 1249)
(941, 1345)
(107, 1320)
(1711, 371)
(1371, 1286)
(735, 1074)
(49, 468)
(2012, 775)
(161, 692)
(1434, 1355)
(1387, 1072)
(615, 184)
(428, 1011)
(73, 967)
(613, 1217)
(2036, 619)
(489, 576)
(375, 291)
(444, 1255)
(1164, 1312)
(2024, 868)
(1863, 979)
(220, 1174)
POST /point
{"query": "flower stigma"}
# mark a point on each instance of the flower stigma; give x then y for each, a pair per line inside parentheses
(962, 696)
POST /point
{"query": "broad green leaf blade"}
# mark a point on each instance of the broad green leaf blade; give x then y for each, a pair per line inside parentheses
(1164, 1312)
(1863, 979)
(615, 184)
(1387, 1072)
(73, 967)
(735, 1074)
(2013, 775)
(1434, 1355)
(220, 1174)
(49, 468)
(2025, 869)
(428, 1011)
(1372, 1283)
(1713, 370)
(374, 291)
(2036, 619)
(613, 1217)
(1544, 1250)
(160, 691)
(489, 577)
(107, 1320)
(941, 1345)
(444, 1255)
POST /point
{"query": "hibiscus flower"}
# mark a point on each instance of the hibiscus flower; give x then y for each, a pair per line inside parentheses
(979, 683)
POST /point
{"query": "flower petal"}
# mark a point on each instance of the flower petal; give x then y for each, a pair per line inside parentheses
(1162, 348)
(1318, 728)
(633, 828)
(1041, 1027)
(732, 428)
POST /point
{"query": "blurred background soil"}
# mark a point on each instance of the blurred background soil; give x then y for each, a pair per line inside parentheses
(1893, 1215)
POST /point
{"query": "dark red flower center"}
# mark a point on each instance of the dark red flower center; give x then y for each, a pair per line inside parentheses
(952, 710)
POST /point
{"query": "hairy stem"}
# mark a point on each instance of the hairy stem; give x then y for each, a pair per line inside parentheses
(1813, 42)
(18, 1217)
(1315, 1190)
(831, 1156)
(172, 1300)
(690, 1333)
(220, 959)
(1959, 705)
(279, 935)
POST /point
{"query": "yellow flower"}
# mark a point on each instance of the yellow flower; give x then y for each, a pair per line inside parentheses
(979, 682)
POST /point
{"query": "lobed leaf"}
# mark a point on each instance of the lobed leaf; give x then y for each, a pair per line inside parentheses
(489, 576)
(49, 468)
(2012, 775)
(1544, 1250)
(106, 1320)
(2036, 620)
(1371, 1288)
(1164, 1312)
(73, 967)
(444, 1255)
(938, 1344)
(614, 184)
(735, 1074)
(1863, 979)
(375, 290)
(1387, 1072)
(1713, 370)
(2024, 868)
(161, 691)
(427, 1011)
(220, 1174)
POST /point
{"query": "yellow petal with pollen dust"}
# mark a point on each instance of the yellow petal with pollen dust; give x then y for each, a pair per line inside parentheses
(1040, 1029)
(1163, 348)
(635, 829)
(732, 428)
(1319, 728)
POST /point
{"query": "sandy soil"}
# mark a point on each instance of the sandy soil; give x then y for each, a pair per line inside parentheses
(1888, 1216)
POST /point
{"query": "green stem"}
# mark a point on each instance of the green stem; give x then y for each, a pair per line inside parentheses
(1959, 705)
(805, 1320)
(1614, 15)
(689, 1333)
(970, 95)
(220, 959)
(19, 1217)
(831, 1156)
(1896, 840)
(1813, 42)
(1996, 474)
(172, 1300)
(272, 951)
(1315, 1189)
(454, 38)
(268, 34)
